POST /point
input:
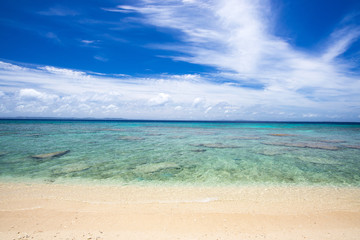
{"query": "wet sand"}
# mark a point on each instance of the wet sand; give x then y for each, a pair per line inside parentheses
(51, 211)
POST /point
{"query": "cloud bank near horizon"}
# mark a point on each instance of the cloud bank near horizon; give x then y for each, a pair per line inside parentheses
(259, 75)
(51, 91)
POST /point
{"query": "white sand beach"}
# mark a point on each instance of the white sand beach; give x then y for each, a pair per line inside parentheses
(50, 211)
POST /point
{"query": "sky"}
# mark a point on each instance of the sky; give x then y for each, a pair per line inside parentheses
(263, 60)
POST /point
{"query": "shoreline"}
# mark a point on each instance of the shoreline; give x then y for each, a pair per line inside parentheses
(163, 184)
(47, 211)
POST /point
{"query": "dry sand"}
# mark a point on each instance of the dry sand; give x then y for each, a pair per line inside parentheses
(49, 211)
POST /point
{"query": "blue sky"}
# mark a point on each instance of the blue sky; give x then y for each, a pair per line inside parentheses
(188, 60)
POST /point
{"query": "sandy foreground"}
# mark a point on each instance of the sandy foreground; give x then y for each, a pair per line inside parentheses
(50, 211)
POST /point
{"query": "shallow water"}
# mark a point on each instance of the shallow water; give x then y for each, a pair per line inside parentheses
(181, 153)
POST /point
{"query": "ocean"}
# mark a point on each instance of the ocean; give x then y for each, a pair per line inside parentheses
(170, 153)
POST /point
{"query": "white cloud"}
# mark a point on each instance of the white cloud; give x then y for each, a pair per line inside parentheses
(36, 91)
(64, 72)
(29, 94)
(64, 109)
(90, 43)
(110, 108)
(259, 75)
(59, 11)
(207, 110)
(32, 94)
(310, 115)
(3, 108)
(53, 36)
(10, 67)
(160, 99)
(340, 41)
(198, 102)
(236, 37)
(31, 108)
(87, 41)
(100, 58)
(120, 8)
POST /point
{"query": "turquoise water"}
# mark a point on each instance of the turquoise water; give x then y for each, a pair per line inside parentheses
(181, 153)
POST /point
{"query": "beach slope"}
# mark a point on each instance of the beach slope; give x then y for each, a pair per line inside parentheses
(51, 211)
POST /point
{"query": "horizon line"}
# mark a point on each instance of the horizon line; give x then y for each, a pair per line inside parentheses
(166, 120)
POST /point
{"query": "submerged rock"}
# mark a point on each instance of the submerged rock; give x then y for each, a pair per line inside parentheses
(303, 145)
(33, 135)
(130, 138)
(198, 150)
(115, 129)
(270, 153)
(244, 138)
(280, 134)
(154, 134)
(77, 167)
(317, 145)
(177, 137)
(50, 155)
(318, 160)
(353, 146)
(155, 167)
(214, 145)
(331, 141)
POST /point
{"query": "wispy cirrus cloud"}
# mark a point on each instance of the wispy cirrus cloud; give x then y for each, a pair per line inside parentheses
(101, 58)
(235, 36)
(340, 40)
(59, 10)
